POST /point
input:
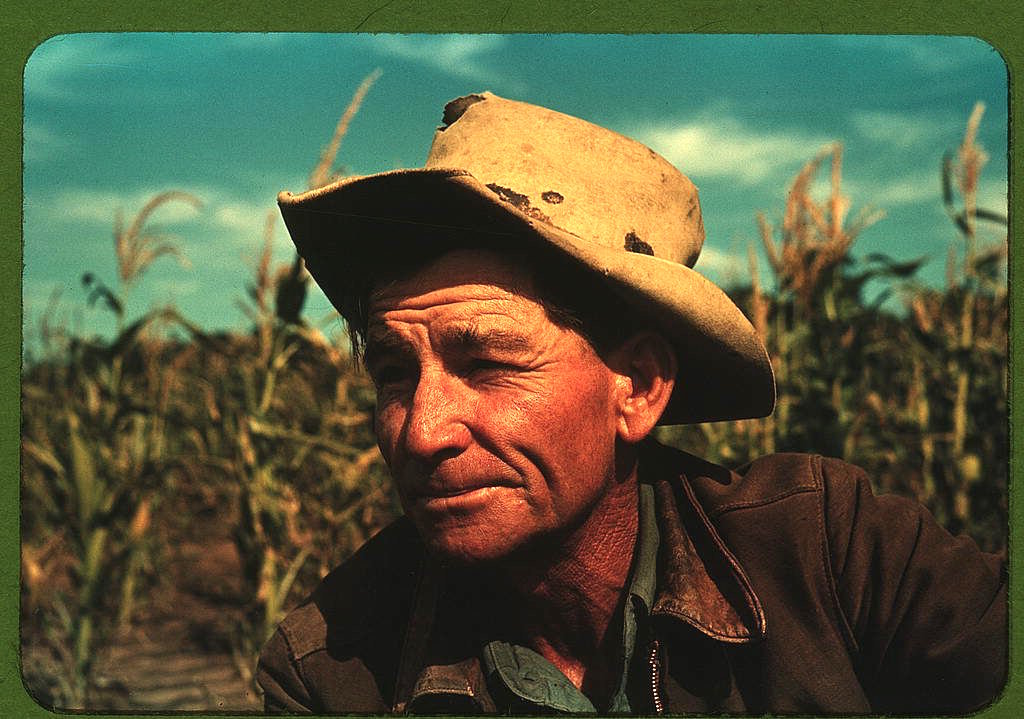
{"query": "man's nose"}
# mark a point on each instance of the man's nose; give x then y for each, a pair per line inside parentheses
(435, 427)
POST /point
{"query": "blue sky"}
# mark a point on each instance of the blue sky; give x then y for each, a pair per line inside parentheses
(112, 119)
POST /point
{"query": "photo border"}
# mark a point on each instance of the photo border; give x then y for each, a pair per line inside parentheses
(25, 26)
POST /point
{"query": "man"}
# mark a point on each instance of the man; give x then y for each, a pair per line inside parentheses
(526, 309)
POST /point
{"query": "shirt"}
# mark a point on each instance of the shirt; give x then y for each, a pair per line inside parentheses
(537, 683)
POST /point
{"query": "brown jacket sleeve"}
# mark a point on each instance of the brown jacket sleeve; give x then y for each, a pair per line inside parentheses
(926, 611)
(278, 675)
(337, 652)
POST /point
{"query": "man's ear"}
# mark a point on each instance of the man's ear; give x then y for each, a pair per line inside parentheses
(646, 364)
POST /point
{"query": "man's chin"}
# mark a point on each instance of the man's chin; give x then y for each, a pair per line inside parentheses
(458, 549)
(451, 551)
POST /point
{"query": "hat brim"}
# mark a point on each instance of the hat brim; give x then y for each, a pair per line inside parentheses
(341, 229)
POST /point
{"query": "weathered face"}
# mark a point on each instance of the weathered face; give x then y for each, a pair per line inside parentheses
(498, 425)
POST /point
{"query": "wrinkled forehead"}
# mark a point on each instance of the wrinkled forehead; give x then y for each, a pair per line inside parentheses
(492, 273)
(462, 303)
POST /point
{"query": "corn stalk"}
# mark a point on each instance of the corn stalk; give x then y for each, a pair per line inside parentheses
(964, 172)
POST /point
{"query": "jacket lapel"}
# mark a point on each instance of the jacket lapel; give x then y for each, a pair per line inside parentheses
(700, 582)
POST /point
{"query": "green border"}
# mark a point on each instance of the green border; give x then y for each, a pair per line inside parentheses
(25, 25)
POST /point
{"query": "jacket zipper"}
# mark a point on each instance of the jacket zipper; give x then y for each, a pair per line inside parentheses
(654, 664)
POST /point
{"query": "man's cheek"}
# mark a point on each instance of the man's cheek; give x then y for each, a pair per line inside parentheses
(387, 424)
(557, 411)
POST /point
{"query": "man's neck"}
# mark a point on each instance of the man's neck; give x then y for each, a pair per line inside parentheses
(564, 600)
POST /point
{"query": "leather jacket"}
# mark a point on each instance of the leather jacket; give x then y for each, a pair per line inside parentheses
(785, 586)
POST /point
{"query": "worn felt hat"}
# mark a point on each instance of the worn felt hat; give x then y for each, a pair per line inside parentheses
(501, 171)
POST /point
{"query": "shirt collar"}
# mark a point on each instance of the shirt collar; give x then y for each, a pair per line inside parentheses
(534, 679)
(645, 558)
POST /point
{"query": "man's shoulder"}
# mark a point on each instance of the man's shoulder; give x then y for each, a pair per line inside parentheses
(764, 481)
(363, 596)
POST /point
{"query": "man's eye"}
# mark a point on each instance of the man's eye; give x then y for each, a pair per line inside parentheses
(390, 375)
(483, 366)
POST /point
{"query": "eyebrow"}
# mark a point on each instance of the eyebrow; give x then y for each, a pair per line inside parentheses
(466, 338)
(470, 338)
(381, 343)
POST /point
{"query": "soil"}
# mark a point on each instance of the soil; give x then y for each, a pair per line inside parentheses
(177, 655)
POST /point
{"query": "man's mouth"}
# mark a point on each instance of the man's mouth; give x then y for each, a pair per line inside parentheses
(445, 492)
(458, 498)
(463, 500)
(448, 491)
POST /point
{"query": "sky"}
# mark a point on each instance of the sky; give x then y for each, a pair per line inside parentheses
(110, 120)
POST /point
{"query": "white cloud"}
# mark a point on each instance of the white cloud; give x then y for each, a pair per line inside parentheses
(714, 260)
(908, 190)
(894, 190)
(221, 210)
(919, 186)
(240, 224)
(727, 268)
(457, 55)
(897, 128)
(727, 149)
(101, 206)
(226, 232)
(233, 234)
(241, 216)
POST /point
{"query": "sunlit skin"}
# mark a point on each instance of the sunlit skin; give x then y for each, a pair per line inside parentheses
(498, 425)
(512, 444)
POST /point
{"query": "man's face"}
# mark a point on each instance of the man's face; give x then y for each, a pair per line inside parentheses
(498, 425)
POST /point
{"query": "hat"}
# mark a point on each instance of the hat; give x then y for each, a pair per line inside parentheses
(502, 171)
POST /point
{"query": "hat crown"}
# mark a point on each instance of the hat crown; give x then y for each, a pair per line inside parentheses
(502, 171)
(581, 178)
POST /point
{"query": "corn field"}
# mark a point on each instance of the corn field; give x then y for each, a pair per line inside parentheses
(917, 399)
(204, 482)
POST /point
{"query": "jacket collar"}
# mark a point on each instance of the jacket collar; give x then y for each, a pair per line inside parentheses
(700, 582)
